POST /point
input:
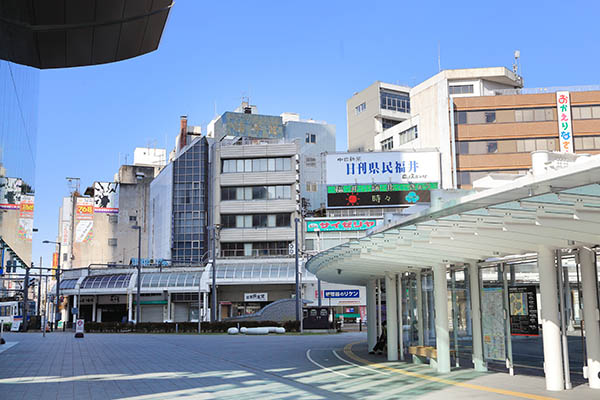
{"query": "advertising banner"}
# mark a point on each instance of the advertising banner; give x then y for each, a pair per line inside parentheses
(378, 199)
(384, 167)
(339, 294)
(340, 225)
(565, 128)
(25, 231)
(492, 321)
(84, 215)
(523, 311)
(106, 197)
(10, 193)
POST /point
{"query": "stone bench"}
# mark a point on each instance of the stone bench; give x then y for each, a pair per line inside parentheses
(425, 354)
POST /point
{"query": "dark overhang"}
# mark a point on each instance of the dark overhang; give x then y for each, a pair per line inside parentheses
(72, 33)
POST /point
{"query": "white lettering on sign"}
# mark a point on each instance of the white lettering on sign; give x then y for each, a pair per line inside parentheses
(565, 128)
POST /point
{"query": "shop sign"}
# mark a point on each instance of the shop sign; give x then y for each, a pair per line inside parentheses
(523, 311)
(565, 128)
(383, 167)
(256, 297)
(342, 294)
(79, 326)
(340, 225)
(378, 199)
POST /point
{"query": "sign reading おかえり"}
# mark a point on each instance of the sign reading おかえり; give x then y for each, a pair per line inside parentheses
(384, 167)
(565, 129)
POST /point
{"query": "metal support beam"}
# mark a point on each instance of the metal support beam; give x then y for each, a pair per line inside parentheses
(477, 337)
(441, 318)
(591, 313)
(371, 315)
(392, 317)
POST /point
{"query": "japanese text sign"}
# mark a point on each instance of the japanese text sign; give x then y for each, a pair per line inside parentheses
(337, 294)
(565, 128)
(384, 167)
(340, 225)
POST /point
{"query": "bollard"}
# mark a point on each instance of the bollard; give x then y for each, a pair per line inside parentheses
(176, 328)
(2, 341)
(359, 325)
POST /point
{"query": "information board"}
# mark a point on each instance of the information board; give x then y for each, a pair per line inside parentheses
(523, 311)
(492, 321)
(378, 199)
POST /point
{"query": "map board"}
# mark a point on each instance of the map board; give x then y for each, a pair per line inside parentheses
(492, 320)
(523, 311)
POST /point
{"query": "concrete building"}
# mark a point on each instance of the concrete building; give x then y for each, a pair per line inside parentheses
(373, 110)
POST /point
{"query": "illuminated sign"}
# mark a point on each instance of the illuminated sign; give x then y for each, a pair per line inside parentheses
(340, 225)
(342, 294)
(565, 128)
(378, 199)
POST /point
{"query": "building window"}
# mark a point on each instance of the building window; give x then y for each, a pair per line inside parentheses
(311, 138)
(310, 162)
(132, 218)
(514, 145)
(408, 135)
(387, 144)
(311, 187)
(256, 249)
(256, 220)
(388, 123)
(460, 89)
(256, 165)
(113, 219)
(586, 112)
(394, 101)
(276, 192)
(112, 242)
(309, 244)
(360, 108)
(506, 116)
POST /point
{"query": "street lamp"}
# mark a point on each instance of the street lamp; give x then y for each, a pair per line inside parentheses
(139, 274)
(56, 311)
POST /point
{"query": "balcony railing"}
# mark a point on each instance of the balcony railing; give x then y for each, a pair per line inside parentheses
(550, 89)
(255, 253)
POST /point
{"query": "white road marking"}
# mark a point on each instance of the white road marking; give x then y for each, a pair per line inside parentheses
(357, 365)
(323, 367)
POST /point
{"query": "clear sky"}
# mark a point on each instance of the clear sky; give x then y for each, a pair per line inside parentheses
(307, 57)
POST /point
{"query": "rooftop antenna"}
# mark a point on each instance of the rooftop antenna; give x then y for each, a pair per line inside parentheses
(439, 59)
(73, 184)
(516, 65)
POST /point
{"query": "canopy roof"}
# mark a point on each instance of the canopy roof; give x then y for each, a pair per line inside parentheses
(560, 209)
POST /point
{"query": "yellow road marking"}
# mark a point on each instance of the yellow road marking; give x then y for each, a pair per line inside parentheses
(349, 353)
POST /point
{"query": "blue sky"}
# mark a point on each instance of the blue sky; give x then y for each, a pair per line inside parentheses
(305, 57)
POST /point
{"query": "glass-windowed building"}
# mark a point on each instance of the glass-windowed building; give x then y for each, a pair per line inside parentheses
(179, 205)
(18, 138)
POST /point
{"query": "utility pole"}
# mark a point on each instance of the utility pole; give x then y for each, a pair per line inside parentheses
(39, 302)
(298, 305)
(26, 296)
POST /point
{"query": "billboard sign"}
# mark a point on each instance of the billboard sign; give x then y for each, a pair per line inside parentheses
(256, 297)
(84, 214)
(106, 197)
(378, 199)
(340, 225)
(342, 294)
(25, 231)
(565, 127)
(10, 193)
(383, 167)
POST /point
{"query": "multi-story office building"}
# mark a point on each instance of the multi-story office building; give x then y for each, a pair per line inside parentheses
(258, 192)
(373, 110)
(427, 124)
(18, 138)
(179, 204)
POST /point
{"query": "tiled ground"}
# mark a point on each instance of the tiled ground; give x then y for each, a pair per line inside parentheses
(109, 366)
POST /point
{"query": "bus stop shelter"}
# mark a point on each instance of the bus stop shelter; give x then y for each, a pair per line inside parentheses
(553, 209)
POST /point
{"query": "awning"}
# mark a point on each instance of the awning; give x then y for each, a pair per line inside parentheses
(114, 281)
(560, 209)
(171, 280)
(276, 272)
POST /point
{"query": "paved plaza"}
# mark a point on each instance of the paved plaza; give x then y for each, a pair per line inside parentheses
(137, 366)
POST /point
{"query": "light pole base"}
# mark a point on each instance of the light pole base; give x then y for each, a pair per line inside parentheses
(79, 335)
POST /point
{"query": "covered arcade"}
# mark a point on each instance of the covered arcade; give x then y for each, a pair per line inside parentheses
(551, 215)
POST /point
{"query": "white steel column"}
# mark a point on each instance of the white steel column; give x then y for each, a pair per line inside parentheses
(129, 307)
(442, 336)
(420, 309)
(378, 307)
(94, 308)
(169, 316)
(400, 316)
(371, 315)
(477, 338)
(553, 366)
(391, 312)
(589, 282)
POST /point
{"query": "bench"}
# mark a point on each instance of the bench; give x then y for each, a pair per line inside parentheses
(422, 354)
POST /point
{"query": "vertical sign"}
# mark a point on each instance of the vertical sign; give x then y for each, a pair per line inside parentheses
(523, 311)
(54, 264)
(84, 215)
(565, 129)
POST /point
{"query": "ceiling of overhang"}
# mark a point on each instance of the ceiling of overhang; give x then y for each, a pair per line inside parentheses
(70, 33)
(559, 210)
